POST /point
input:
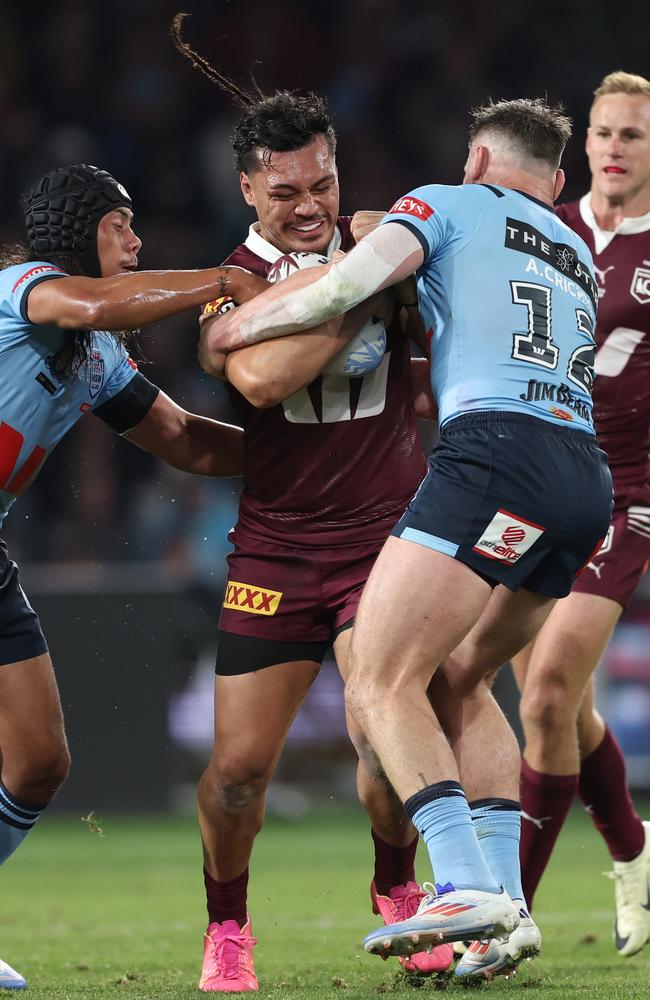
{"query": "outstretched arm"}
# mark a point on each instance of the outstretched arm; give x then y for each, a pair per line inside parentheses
(127, 301)
(383, 258)
(188, 441)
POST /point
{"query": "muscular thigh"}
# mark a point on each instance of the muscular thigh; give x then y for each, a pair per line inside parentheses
(30, 707)
(417, 605)
(510, 620)
(253, 712)
(570, 644)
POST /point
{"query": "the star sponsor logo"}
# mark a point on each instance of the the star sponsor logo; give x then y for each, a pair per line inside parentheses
(564, 258)
(255, 600)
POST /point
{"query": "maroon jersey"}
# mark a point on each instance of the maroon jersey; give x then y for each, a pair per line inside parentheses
(338, 461)
(621, 389)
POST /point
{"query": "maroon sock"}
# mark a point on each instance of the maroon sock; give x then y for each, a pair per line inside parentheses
(227, 900)
(393, 865)
(603, 789)
(545, 802)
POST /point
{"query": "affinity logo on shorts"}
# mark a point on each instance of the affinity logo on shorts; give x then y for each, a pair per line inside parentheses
(244, 597)
(507, 537)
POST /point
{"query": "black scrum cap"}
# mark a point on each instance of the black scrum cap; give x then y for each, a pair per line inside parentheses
(62, 212)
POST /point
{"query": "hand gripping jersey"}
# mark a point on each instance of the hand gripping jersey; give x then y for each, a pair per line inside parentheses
(508, 295)
(36, 406)
(338, 461)
(622, 386)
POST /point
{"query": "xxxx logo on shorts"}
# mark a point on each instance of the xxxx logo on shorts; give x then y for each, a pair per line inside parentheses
(507, 537)
(244, 597)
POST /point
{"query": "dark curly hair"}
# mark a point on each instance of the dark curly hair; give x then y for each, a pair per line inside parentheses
(281, 122)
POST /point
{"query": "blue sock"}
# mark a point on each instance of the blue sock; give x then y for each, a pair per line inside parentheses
(16, 820)
(441, 814)
(498, 825)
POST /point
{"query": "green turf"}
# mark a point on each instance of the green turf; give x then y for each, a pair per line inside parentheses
(84, 916)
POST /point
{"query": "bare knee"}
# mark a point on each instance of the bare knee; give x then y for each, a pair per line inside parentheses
(365, 696)
(37, 775)
(548, 704)
(237, 783)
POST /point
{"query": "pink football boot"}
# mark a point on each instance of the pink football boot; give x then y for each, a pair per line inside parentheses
(402, 903)
(228, 959)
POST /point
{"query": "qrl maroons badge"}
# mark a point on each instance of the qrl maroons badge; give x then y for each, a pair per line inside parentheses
(96, 372)
(640, 287)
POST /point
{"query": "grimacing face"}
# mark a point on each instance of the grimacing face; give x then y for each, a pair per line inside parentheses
(117, 244)
(296, 197)
(618, 148)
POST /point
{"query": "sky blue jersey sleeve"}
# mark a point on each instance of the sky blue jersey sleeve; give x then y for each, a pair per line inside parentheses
(17, 281)
(110, 368)
(426, 213)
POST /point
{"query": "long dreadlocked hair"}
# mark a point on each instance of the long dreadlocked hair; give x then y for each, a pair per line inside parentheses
(280, 122)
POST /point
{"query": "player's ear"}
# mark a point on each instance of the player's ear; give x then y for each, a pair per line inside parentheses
(477, 164)
(246, 188)
(558, 184)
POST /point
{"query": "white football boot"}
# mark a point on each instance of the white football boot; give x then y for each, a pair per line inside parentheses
(453, 915)
(632, 892)
(10, 979)
(486, 959)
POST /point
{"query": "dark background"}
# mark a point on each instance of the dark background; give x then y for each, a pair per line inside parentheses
(107, 534)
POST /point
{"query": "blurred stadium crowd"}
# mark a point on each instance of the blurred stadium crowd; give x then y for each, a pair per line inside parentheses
(103, 84)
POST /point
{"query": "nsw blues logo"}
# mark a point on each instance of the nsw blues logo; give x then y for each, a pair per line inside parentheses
(96, 371)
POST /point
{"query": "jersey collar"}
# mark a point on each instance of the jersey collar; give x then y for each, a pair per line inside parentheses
(603, 237)
(262, 248)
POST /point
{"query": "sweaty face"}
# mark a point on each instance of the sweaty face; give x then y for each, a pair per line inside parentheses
(296, 197)
(117, 244)
(618, 147)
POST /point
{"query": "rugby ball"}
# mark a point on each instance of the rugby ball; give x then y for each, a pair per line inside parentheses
(366, 350)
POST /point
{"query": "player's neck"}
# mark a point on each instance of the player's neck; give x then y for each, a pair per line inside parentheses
(521, 180)
(609, 213)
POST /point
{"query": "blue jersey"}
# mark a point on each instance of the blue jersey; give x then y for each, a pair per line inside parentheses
(508, 296)
(37, 407)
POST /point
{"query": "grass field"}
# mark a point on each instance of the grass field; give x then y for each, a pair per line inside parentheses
(84, 916)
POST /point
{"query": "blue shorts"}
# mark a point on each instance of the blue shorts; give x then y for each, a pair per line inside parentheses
(21, 636)
(521, 501)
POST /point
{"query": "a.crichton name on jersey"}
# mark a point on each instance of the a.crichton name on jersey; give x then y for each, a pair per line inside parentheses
(561, 264)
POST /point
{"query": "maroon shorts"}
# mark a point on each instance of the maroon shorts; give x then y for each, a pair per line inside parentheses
(294, 595)
(616, 569)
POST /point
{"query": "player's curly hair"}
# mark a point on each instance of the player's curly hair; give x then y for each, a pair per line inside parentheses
(277, 123)
(534, 126)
